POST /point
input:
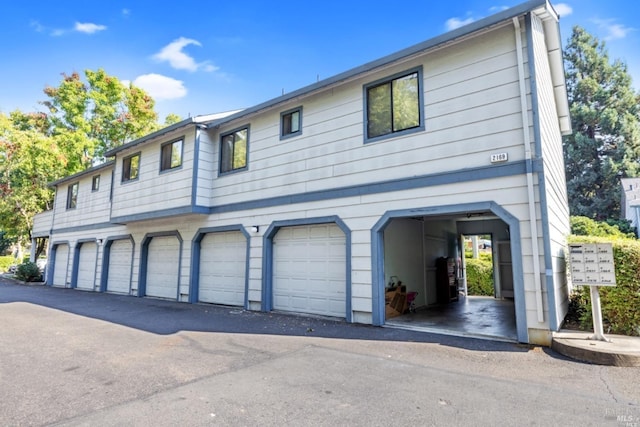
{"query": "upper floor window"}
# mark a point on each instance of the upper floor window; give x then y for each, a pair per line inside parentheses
(171, 155)
(233, 150)
(394, 105)
(72, 196)
(291, 123)
(131, 167)
(95, 183)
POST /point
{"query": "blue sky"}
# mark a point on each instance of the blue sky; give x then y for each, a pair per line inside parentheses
(199, 57)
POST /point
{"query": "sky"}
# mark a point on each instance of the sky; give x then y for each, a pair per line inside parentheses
(202, 57)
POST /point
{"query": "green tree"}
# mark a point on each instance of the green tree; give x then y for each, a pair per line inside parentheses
(88, 119)
(29, 160)
(605, 145)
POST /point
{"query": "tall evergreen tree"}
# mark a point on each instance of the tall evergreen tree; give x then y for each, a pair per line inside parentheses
(605, 144)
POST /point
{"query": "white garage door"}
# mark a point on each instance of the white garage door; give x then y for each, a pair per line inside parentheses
(162, 267)
(222, 268)
(86, 266)
(60, 266)
(309, 264)
(119, 274)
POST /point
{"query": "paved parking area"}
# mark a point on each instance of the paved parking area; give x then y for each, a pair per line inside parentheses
(74, 358)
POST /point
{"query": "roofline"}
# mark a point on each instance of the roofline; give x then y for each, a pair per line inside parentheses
(442, 39)
(160, 132)
(80, 174)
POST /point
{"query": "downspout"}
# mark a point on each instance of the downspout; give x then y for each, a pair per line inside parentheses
(535, 251)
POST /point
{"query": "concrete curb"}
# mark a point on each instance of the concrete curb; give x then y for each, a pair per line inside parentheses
(621, 351)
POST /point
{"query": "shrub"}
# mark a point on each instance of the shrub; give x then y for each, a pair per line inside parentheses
(28, 272)
(620, 303)
(479, 277)
(6, 262)
(583, 226)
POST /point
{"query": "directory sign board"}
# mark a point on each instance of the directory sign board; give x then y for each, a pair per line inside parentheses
(592, 264)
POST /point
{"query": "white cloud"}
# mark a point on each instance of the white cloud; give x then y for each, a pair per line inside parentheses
(495, 9)
(161, 87)
(174, 55)
(612, 30)
(453, 23)
(37, 26)
(126, 12)
(563, 9)
(88, 27)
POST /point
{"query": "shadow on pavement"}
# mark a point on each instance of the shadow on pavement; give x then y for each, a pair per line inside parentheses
(168, 317)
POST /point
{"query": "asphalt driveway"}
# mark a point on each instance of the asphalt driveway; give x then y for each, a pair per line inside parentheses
(69, 357)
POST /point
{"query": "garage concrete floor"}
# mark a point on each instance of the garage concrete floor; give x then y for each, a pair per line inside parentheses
(475, 316)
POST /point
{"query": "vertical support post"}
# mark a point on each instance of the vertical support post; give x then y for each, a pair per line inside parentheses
(596, 311)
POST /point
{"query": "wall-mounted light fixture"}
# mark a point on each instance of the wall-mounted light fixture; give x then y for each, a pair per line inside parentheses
(99, 241)
(255, 228)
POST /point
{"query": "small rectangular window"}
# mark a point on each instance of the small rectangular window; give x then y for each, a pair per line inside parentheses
(72, 196)
(95, 183)
(291, 123)
(394, 105)
(130, 167)
(171, 155)
(233, 150)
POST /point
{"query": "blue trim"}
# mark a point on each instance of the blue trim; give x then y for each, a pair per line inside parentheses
(144, 259)
(554, 322)
(389, 79)
(194, 286)
(267, 258)
(227, 133)
(51, 264)
(83, 227)
(434, 42)
(377, 255)
(106, 255)
(82, 174)
(442, 178)
(196, 166)
(292, 134)
(76, 262)
(163, 213)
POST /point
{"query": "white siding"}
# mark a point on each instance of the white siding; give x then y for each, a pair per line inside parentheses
(154, 190)
(92, 206)
(471, 106)
(555, 181)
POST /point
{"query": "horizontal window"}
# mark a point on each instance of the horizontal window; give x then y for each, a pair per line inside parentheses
(233, 150)
(393, 105)
(171, 155)
(130, 167)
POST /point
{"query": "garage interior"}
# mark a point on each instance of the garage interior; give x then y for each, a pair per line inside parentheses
(426, 279)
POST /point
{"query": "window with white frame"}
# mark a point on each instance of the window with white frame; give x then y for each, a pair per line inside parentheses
(234, 150)
(72, 196)
(394, 105)
(171, 155)
(130, 167)
(291, 123)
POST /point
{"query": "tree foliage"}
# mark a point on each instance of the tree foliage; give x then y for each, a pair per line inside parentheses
(29, 160)
(88, 119)
(583, 226)
(85, 119)
(605, 145)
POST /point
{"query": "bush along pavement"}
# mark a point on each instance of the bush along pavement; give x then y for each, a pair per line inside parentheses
(28, 272)
(620, 303)
(479, 277)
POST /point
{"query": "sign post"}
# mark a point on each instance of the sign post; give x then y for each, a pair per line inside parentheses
(592, 265)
